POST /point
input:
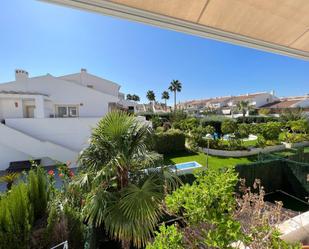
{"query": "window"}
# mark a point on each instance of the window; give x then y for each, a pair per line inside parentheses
(67, 111)
(90, 86)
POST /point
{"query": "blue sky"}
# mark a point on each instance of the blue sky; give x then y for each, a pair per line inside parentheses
(44, 38)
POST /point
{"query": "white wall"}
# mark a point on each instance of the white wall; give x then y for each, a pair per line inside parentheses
(73, 133)
(98, 83)
(91, 103)
(9, 110)
(8, 153)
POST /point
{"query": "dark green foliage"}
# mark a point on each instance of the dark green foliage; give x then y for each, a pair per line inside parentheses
(156, 122)
(243, 130)
(38, 191)
(214, 121)
(186, 124)
(15, 217)
(291, 114)
(270, 130)
(228, 126)
(21, 208)
(256, 119)
(169, 141)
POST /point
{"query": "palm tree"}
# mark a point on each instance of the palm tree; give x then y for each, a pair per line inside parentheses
(243, 107)
(135, 98)
(129, 96)
(151, 96)
(121, 195)
(165, 96)
(9, 179)
(175, 86)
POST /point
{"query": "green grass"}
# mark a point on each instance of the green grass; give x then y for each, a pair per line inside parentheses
(218, 162)
(213, 161)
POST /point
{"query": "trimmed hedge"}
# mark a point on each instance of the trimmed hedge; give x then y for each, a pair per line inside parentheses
(169, 142)
(256, 119)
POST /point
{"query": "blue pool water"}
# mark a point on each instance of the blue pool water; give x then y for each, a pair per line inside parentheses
(189, 165)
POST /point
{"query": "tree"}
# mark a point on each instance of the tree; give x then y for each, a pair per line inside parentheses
(175, 86)
(135, 98)
(243, 107)
(121, 195)
(129, 96)
(151, 96)
(228, 126)
(165, 96)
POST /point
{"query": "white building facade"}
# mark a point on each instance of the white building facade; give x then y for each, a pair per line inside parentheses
(50, 118)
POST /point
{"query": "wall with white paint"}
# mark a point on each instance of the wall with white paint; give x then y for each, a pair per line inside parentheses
(73, 133)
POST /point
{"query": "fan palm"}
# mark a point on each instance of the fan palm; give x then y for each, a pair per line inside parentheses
(9, 179)
(135, 98)
(151, 96)
(175, 86)
(165, 96)
(122, 196)
(243, 107)
(129, 96)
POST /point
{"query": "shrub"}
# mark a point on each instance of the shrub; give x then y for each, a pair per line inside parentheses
(264, 111)
(167, 237)
(156, 122)
(169, 141)
(299, 126)
(15, 218)
(214, 121)
(270, 130)
(186, 124)
(228, 126)
(256, 119)
(243, 130)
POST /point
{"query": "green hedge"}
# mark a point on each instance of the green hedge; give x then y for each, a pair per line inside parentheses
(169, 141)
(256, 119)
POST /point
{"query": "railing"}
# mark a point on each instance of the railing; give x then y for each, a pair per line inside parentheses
(65, 245)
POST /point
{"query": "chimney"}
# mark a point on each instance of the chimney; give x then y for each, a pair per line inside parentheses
(272, 92)
(83, 70)
(21, 74)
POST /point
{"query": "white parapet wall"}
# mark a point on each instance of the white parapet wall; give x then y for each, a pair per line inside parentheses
(59, 139)
(243, 153)
(72, 133)
(295, 229)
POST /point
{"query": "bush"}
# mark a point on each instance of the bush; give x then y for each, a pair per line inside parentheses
(256, 119)
(169, 141)
(243, 130)
(270, 130)
(15, 218)
(228, 126)
(214, 121)
(186, 124)
(264, 111)
(299, 126)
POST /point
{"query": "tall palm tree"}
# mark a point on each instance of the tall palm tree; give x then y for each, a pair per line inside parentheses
(165, 96)
(244, 107)
(121, 195)
(175, 86)
(151, 96)
(129, 96)
(135, 98)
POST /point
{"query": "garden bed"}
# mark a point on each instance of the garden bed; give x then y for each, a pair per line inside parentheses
(244, 153)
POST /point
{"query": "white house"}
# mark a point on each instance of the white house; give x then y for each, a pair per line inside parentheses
(50, 118)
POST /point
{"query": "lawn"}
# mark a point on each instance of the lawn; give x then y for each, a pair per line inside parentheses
(219, 162)
(213, 161)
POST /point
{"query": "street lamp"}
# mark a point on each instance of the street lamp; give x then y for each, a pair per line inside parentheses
(208, 137)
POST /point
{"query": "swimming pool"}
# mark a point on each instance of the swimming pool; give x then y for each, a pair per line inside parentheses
(185, 168)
